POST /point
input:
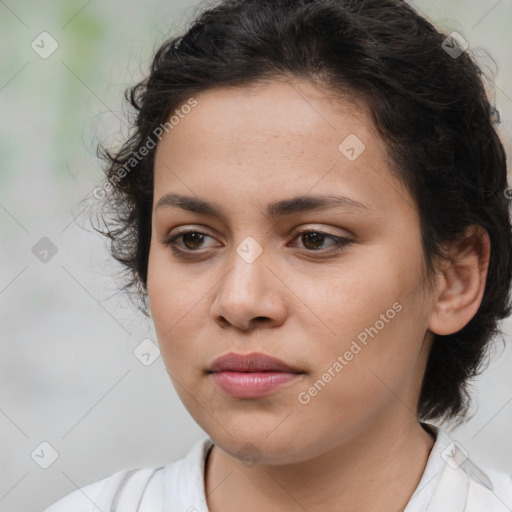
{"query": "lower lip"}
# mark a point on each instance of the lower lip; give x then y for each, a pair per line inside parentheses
(252, 384)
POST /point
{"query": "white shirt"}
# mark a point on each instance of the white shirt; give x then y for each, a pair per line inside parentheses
(451, 482)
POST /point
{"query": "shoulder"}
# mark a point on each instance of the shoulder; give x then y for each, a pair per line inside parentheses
(103, 495)
(145, 489)
(80, 500)
(500, 479)
(459, 483)
(496, 495)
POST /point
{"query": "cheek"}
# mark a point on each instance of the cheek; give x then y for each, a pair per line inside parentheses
(374, 317)
(342, 301)
(180, 301)
(356, 381)
(172, 291)
(172, 302)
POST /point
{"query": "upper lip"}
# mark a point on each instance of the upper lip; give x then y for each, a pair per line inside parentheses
(254, 362)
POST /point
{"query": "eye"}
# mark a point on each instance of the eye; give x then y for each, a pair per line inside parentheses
(314, 239)
(192, 240)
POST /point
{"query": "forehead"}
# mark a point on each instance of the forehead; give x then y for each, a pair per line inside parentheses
(282, 109)
(276, 137)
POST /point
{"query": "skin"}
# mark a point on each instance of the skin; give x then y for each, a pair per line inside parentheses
(357, 444)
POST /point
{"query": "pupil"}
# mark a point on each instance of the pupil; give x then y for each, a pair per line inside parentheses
(197, 238)
(315, 237)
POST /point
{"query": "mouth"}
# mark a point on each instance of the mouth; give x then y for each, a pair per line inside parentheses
(253, 375)
(254, 362)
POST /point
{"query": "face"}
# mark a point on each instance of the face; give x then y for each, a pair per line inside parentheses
(336, 291)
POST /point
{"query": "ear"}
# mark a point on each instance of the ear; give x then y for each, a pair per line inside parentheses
(460, 284)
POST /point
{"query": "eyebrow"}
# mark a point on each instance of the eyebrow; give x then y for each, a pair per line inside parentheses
(275, 209)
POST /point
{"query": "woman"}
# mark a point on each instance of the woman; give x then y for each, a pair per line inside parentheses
(313, 206)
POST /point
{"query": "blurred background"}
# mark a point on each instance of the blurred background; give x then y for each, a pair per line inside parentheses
(76, 404)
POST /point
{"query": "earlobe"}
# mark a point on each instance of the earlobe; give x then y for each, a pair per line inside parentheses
(461, 282)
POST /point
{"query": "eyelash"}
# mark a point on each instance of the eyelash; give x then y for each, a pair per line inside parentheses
(340, 245)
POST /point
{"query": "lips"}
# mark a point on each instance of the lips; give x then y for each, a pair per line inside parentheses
(254, 362)
(252, 376)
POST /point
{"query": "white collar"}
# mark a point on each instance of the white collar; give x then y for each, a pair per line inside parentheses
(451, 482)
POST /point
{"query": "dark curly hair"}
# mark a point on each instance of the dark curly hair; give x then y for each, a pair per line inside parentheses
(428, 104)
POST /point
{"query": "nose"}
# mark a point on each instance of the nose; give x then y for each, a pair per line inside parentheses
(249, 295)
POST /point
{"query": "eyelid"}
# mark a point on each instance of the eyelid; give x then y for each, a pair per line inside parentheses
(316, 228)
(199, 228)
(293, 233)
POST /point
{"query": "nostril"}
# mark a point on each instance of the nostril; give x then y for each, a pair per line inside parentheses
(223, 322)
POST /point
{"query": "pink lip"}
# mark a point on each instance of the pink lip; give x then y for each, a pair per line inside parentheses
(251, 384)
(254, 362)
(251, 375)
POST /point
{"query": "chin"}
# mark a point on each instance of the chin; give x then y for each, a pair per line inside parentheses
(258, 447)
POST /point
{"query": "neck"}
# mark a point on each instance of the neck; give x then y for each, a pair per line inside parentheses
(378, 469)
